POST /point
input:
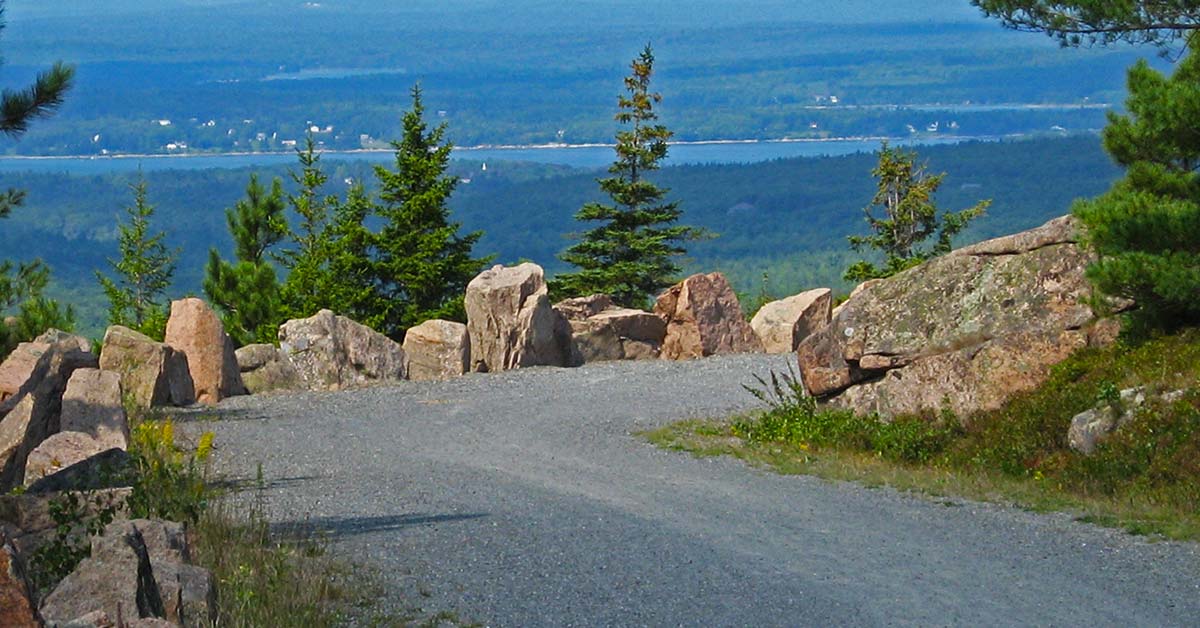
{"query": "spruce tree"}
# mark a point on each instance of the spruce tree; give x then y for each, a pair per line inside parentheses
(309, 280)
(904, 194)
(421, 264)
(143, 272)
(1146, 229)
(632, 254)
(246, 293)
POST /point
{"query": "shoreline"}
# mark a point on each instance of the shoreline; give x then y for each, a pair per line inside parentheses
(484, 147)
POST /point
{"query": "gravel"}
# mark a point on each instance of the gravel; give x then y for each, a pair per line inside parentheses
(523, 499)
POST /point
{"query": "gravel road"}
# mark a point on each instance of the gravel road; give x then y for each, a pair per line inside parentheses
(521, 499)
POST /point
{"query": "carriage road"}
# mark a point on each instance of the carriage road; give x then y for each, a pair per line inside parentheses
(524, 499)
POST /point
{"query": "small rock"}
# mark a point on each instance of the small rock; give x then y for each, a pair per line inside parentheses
(195, 330)
(437, 350)
(1090, 427)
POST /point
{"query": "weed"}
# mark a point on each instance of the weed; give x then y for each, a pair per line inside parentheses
(1145, 477)
(77, 517)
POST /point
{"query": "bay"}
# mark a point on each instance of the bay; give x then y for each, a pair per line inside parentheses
(588, 156)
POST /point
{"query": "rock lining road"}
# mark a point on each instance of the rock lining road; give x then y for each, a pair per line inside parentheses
(523, 499)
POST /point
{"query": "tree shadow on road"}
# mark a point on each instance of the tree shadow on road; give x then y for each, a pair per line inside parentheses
(345, 527)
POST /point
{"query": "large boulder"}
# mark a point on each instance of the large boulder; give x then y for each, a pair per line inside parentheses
(152, 373)
(92, 404)
(962, 332)
(17, 609)
(58, 452)
(332, 352)
(437, 350)
(511, 322)
(195, 330)
(50, 356)
(704, 318)
(117, 579)
(782, 324)
(265, 368)
(603, 331)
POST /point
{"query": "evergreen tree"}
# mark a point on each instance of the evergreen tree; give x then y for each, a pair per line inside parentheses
(1076, 22)
(421, 264)
(910, 217)
(143, 273)
(17, 109)
(632, 254)
(348, 242)
(246, 293)
(1146, 229)
(306, 289)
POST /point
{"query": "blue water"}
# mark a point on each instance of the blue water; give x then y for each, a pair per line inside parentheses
(577, 156)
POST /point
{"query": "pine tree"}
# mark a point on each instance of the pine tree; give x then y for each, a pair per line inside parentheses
(306, 289)
(1078, 22)
(1146, 229)
(246, 293)
(905, 193)
(17, 109)
(633, 254)
(143, 273)
(421, 264)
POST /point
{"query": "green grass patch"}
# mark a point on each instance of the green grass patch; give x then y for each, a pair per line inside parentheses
(1144, 478)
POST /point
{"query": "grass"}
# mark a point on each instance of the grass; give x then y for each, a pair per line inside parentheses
(1145, 478)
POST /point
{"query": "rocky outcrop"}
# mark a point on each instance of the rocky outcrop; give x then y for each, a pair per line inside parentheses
(30, 416)
(603, 331)
(265, 368)
(194, 330)
(437, 350)
(511, 323)
(964, 331)
(117, 579)
(332, 352)
(704, 318)
(781, 325)
(50, 356)
(17, 608)
(152, 373)
(28, 519)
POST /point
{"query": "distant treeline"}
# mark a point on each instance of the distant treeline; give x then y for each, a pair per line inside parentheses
(786, 218)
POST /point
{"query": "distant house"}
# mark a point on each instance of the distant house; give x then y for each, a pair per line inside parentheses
(163, 122)
(288, 143)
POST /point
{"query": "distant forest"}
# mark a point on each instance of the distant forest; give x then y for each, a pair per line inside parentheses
(254, 76)
(787, 219)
